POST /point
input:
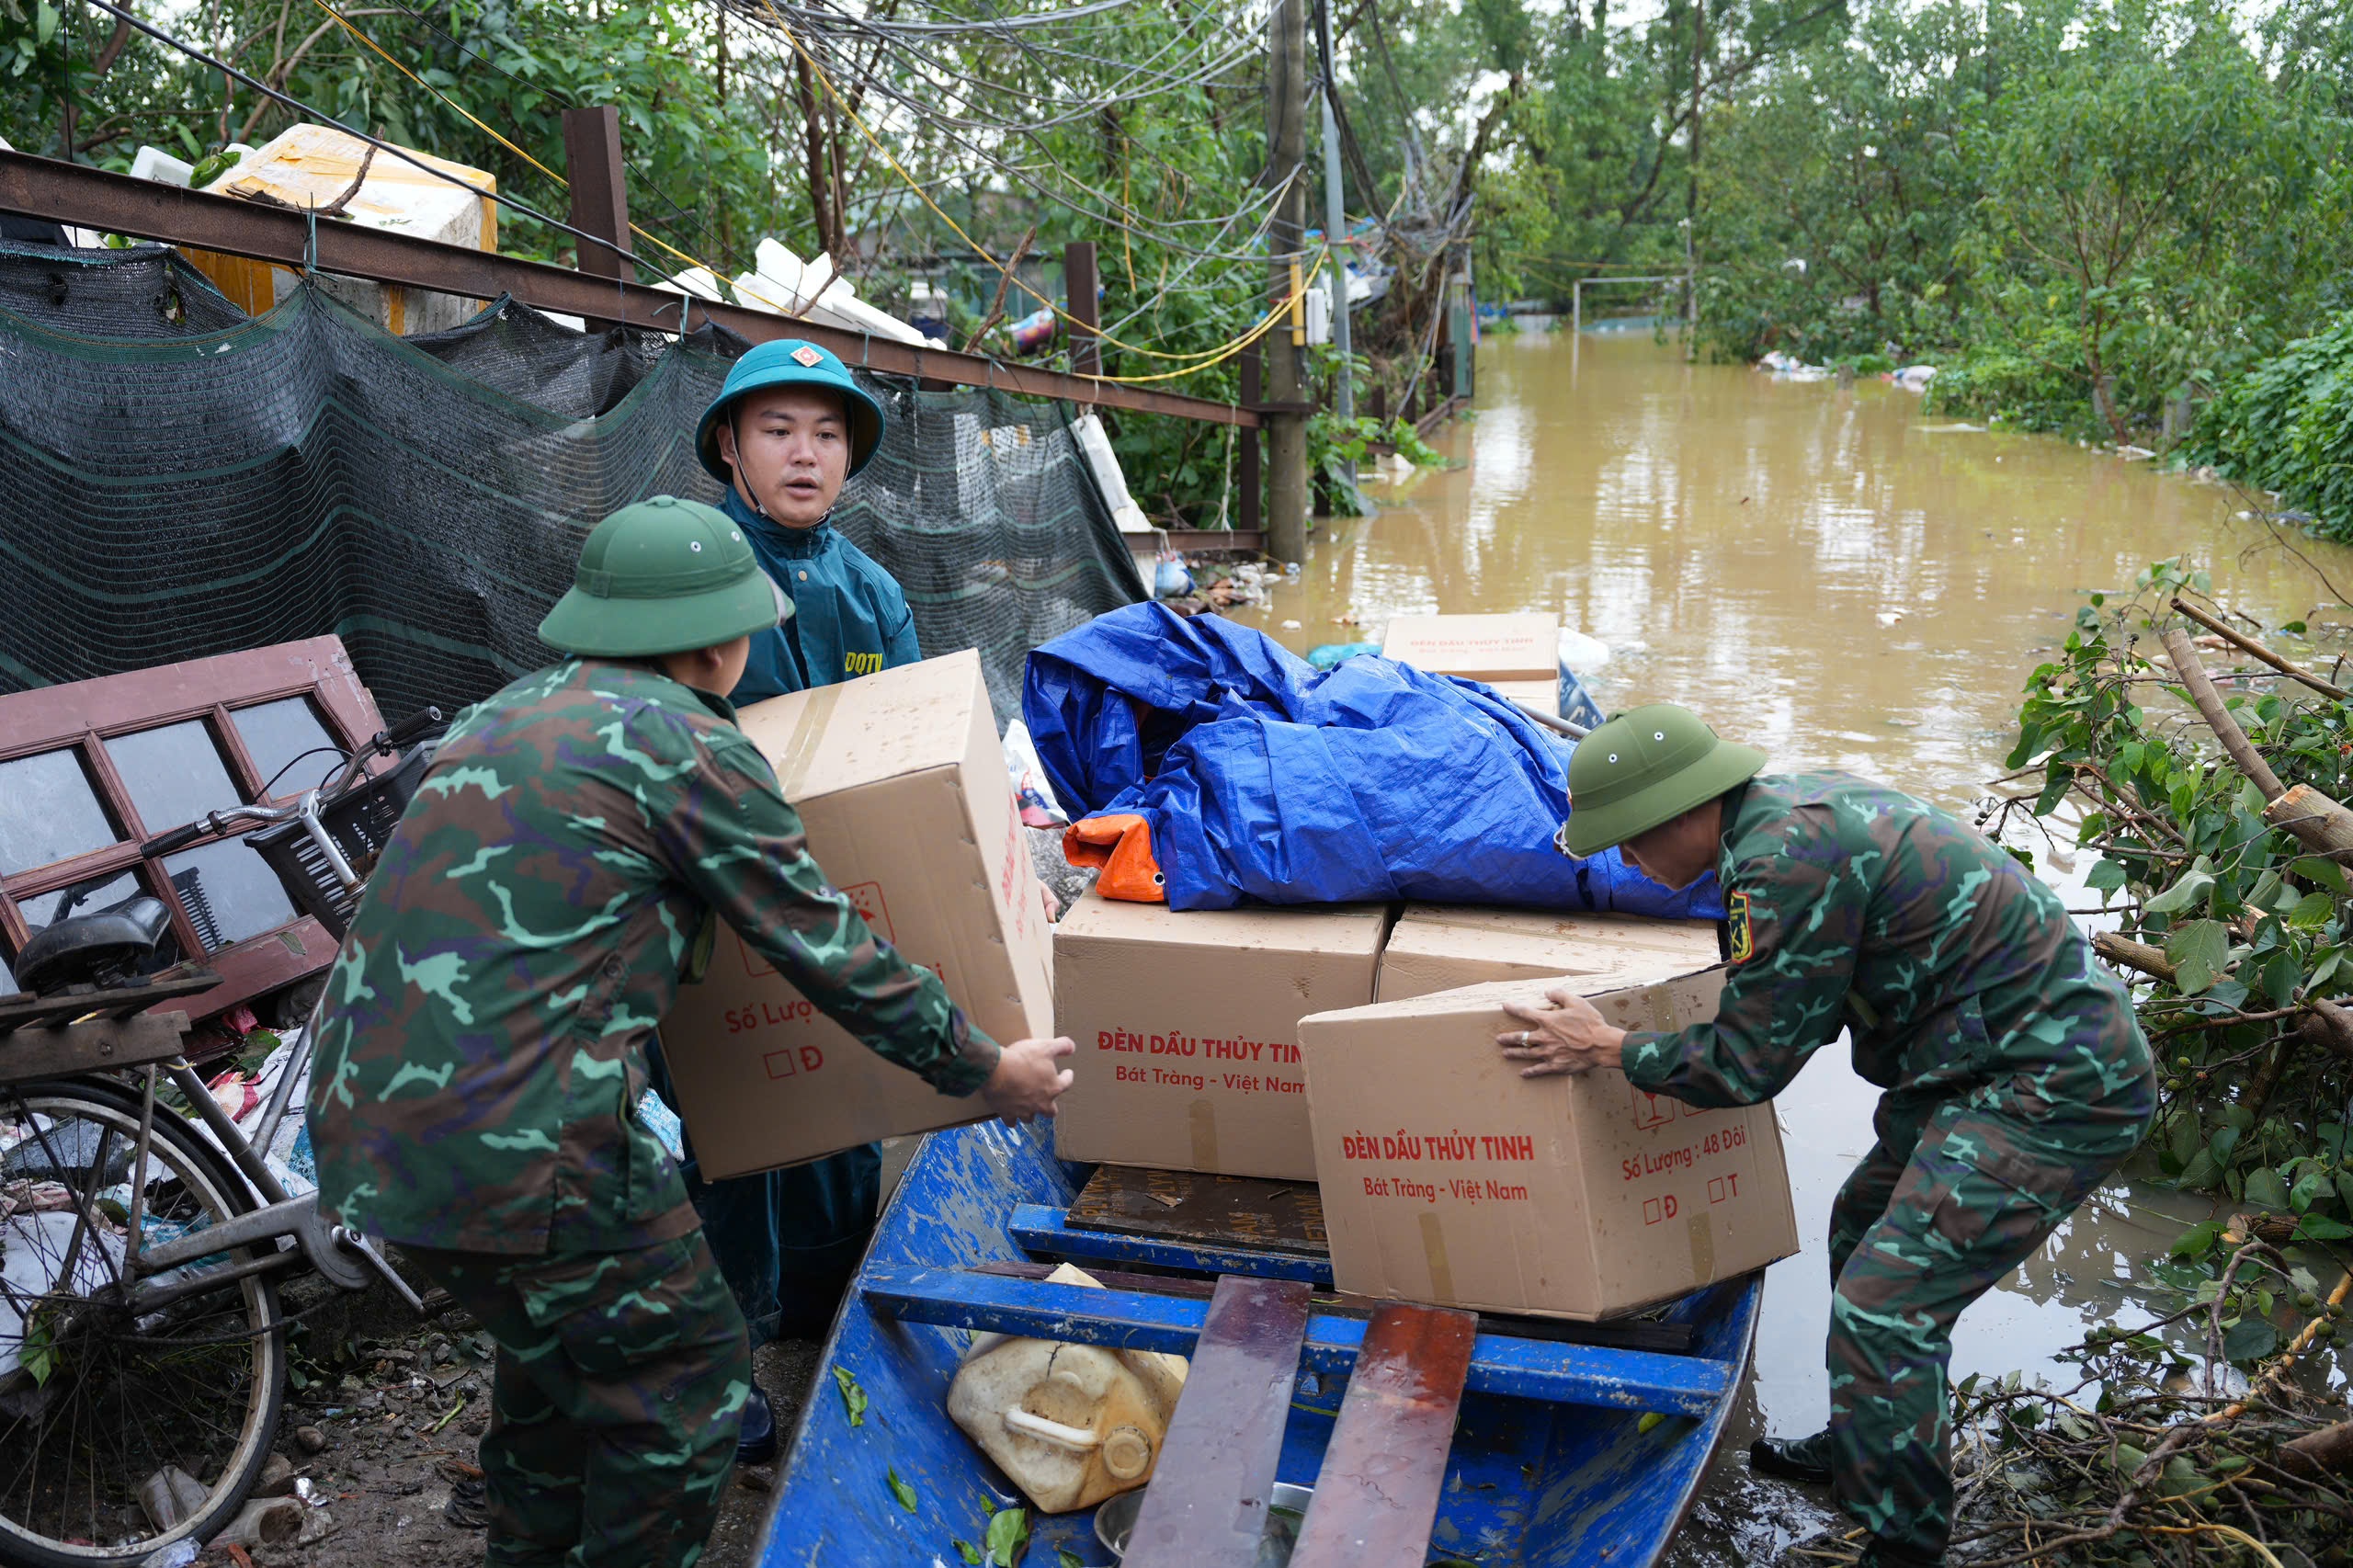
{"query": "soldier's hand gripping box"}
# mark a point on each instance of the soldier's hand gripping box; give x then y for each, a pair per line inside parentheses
(1188, 1029)
(1447, 1177)
(901, 790)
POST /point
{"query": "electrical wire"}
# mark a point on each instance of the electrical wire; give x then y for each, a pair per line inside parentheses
(405, 154)
(632, 164)
(1194, 360)
(929, 66)
(560, 183)
(1111, 211)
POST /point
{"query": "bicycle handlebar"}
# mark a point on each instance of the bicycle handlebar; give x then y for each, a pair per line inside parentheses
(412, 728)
(216, 822)
(178, 838)
(387, 741)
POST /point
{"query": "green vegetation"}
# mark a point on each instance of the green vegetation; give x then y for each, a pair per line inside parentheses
(2083, 210)
(2287, 425)
(2239, 938)
(2107, 218)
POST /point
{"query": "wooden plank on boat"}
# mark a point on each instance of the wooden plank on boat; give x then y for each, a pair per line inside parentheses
(1377, 1491)
(1040, 1229)
(1625, 1333)
(1207, 1504)
(1133, 1320)
(1212, 1211)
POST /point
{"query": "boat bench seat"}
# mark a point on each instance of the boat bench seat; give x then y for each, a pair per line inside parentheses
(1607, 1378)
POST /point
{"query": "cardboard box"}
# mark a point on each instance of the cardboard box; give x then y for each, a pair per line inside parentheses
(1521, 647)
(1544, 695)
(1188, 1029)
(1447, 1177)
(310, 165)
(903, 792)
(1436, 947)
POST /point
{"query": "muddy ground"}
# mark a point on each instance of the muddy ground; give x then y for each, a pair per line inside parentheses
(398, 1405)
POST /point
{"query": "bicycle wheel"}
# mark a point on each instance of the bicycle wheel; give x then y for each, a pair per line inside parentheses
(95, 1402)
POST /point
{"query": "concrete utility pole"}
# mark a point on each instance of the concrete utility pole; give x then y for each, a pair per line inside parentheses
(1286, 378)
(1336, 217)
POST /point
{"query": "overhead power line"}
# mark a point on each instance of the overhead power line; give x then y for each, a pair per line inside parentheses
(403, 153)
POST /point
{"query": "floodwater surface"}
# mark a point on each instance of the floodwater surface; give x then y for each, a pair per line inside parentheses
(1830, 574)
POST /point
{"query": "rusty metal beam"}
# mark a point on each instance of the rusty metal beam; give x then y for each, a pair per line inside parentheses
(71, 193)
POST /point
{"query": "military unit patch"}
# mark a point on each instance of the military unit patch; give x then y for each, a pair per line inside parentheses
(1736, 927)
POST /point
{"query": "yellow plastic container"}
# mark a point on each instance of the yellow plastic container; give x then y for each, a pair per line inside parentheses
(1071, 1424)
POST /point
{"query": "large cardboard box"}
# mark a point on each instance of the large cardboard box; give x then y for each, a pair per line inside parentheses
(1437, 947)
(1188, 1029)
(310, 165)
(1447, 1177)
(903, 791)
(1521, 647)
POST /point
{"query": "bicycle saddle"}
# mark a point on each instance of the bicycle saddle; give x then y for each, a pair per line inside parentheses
(99, 949)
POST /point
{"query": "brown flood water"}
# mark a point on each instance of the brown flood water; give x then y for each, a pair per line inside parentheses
(1745, 546)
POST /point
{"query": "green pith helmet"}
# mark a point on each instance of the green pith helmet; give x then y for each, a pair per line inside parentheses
(663, 576)
(1646, 767)
(790, 362)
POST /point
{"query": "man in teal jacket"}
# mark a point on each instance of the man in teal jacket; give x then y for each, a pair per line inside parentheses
(787, 428)
(785, 431)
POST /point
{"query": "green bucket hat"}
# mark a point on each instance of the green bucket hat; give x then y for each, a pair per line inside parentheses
(790, 362)
(1644, 768)
(663, 576)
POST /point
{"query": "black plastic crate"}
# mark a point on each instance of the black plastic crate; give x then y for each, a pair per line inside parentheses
(361, 821)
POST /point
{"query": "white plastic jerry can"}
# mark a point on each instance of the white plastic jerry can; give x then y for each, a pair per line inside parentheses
(1070, 1423)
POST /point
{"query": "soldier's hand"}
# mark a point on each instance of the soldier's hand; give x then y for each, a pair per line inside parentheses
(1027, 1082)
(1567, 1036)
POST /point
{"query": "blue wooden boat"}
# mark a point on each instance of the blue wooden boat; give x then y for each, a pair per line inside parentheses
(1553, 1461)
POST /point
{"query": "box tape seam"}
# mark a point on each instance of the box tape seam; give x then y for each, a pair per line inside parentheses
(1700, 1234)
(808, 732)
(1434, 1255)
(1202, 1116)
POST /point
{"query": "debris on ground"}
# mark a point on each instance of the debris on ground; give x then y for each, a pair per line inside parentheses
(381, 1432)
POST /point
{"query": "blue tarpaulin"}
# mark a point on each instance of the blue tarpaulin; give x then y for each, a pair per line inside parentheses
(1262, 779)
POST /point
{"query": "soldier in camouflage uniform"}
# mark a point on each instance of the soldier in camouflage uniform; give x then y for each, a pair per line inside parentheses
(2016, 1077)
(482, 1045)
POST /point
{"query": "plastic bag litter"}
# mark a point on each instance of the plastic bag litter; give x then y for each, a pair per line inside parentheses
(1170, 579)
(1031, 792)
(1261, 778)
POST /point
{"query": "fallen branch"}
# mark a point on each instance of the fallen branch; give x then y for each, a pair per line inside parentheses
(2324, 1024)
(2281, 1365)
(2124, 950)
(2247, 644)
(2322, 825)
(2315, 819)
(2327, 1024)
(2218, 718)
(2329, 1451)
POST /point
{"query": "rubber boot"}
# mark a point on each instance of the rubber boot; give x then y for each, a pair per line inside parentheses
(755, 1440)
(1793, 1458)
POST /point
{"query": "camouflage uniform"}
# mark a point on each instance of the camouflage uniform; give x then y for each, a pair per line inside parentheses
(2016, 1079)
(482, 1052)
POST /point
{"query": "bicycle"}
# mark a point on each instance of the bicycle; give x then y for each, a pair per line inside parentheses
(141, 1260)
